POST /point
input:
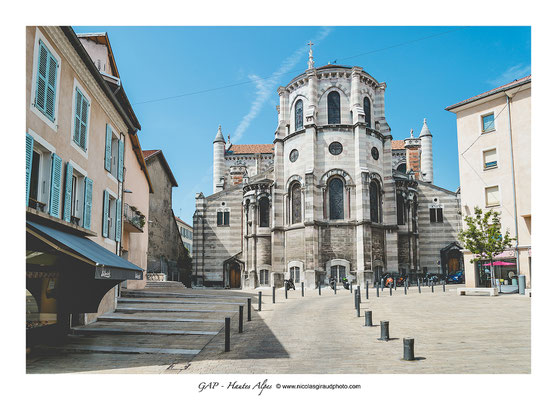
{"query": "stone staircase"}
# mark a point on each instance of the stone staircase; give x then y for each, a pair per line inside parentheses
(164, 285)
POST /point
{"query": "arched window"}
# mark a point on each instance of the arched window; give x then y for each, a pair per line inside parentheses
(263, 276)
(264, 212)
(367, 111)
(336, 199)
(374, 201)
(333, 108)
(299, 114)
(400, 209)
(296, 201)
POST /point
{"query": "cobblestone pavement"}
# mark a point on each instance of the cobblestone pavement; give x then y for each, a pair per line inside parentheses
(321, 334)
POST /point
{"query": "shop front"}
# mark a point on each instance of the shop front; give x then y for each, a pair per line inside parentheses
(67, 275)
(503, 267)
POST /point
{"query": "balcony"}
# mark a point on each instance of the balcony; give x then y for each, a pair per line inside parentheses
(134, 220)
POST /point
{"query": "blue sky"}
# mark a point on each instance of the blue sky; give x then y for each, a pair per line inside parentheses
(426, 69)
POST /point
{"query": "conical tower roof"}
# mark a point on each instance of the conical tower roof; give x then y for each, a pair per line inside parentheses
(219, 137)
(425, 130)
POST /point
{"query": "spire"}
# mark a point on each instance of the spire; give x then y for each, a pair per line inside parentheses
(411, 133)
(425, 130)
(219, 137)
(310, 61)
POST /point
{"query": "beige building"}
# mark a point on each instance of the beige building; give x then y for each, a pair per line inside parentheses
(186, 233)
(494, 156)
(83, 165)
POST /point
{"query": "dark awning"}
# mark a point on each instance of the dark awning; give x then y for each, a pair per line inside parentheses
(107, 264)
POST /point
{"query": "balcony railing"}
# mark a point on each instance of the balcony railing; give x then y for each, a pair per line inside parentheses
(133, 218)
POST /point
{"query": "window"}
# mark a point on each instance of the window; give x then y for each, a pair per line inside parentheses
(367, 111)
(400, 209)
(74, 194)
(375, 153)
(336, 199)
(492, 196)
(264, 277)
(490, 158)
(293, 155)
(401, 168)
(112, 221)
(435, 214)
(46, 76)
(34, 184)
(374, 201)
(333, 108)
(335, 148)
(295, 274)
(488, 122)
(296, 202)
(114, 153)
(223, 217)
(264, 212)
(338, 272)
(81, 117)
(299, 115)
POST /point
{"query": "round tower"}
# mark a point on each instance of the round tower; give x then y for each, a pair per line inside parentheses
(427, 154)
(218, 162)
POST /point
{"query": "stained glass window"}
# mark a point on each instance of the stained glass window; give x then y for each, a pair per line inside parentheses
(336, 199)
(296, 196)
(374, 201)
(399, 209)
(333, 108)
(335, 148)
(299, 115)
(264, 212)
(367, 111)
(375, 153)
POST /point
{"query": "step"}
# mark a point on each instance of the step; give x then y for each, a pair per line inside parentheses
(128, 331)
(137, 309)
(131, 293)
(157, 301)
(120, 349)
(114, 317)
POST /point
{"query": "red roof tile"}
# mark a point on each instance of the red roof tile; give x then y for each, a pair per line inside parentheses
(251, 148)
(149, 153)
(516, 82)
(397, 144)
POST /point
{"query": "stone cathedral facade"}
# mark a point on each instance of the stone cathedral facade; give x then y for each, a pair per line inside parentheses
(333, 195)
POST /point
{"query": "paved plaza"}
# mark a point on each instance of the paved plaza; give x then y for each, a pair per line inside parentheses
(313, 334)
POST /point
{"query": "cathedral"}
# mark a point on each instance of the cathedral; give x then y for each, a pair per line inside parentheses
(333, 195)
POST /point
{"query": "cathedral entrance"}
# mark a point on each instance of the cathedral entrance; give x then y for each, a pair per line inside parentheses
(338, 272)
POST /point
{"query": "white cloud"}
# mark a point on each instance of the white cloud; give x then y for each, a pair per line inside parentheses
(265, 87)
(515, 72)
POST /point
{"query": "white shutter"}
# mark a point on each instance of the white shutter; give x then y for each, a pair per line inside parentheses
(492, 196)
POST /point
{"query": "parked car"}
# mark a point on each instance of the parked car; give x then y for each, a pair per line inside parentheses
(456, 277)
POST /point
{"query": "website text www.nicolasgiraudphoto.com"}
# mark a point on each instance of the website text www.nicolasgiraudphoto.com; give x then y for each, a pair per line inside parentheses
(261, 386)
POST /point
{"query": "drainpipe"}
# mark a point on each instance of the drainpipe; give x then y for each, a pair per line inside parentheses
(513, 180)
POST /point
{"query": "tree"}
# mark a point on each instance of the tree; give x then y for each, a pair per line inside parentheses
(483, 237)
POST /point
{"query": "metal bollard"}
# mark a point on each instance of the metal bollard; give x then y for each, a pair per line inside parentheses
(249, 308)
(302, 289)
(382, 284)
(394, 283)
(241, 319)
(350, 287)
(405, 289)
(227, 334)
(391, 289)
(356, 298)
(358, 288)
(273, 295)
(358, 304)
(377, 289)
(259, 305)
(432, 286)
(443, 286)
(335, 286)
(368, 318)
(285, 290)
(367, 290)
(419, 287)
(319, 288)
(384, 331)
(409, 349)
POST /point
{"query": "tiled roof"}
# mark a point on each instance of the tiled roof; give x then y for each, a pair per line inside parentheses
(397, 144)
(149, 153)
(179, 220)
(516, 82)
(251, 148)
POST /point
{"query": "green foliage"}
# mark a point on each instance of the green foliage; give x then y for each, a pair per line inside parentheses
(482, 235)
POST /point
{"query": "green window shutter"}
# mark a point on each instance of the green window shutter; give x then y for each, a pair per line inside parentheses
(84, 122)
(106, 205)
(42, 72)
(87, 203)
(77, 115)
(118, 220)
(120, 160)
(108, 148)
(68, 193)
(55, 185)
(29, 162)
(51, 87)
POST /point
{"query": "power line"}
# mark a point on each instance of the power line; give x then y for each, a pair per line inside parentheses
(297, 71)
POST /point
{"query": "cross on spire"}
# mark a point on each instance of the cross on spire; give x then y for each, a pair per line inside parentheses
(310, 61)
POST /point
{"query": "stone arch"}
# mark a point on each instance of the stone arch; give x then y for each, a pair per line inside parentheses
(293, 178)
(336, 172)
